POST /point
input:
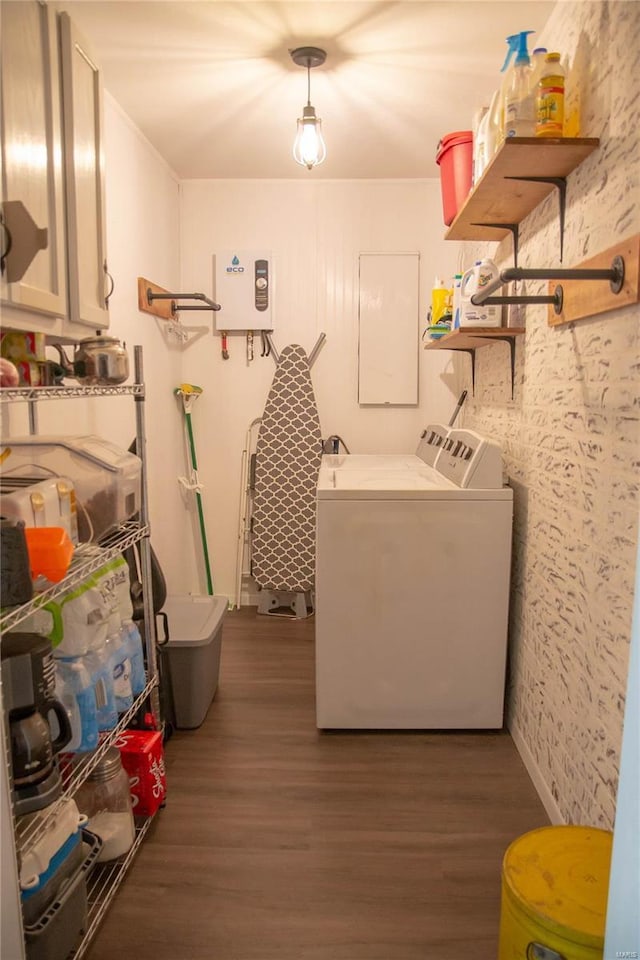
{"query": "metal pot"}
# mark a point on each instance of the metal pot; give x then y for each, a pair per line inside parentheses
(100, 360)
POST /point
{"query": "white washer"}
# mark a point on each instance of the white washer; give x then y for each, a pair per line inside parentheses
(412, 591)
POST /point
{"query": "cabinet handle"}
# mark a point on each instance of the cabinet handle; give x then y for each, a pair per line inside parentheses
(26, 239)
(6, 250)
(107, 296)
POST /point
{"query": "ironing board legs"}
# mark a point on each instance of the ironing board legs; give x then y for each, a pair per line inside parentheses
(286, 603)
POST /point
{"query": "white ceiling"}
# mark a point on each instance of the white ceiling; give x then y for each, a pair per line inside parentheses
(212, 86)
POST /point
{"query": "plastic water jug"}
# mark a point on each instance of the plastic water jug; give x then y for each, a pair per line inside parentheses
(76, 689)
(120, 665)
(474, 281)
(98, 665)
(131, 638)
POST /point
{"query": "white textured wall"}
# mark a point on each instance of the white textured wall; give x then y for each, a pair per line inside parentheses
(315, 231)
(571, 439)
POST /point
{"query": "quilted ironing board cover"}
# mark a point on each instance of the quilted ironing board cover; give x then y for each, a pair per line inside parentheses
(288, 456)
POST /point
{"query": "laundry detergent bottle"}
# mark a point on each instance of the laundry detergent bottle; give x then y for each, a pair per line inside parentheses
(475, 280)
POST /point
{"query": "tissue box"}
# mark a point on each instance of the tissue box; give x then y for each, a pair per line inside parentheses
(143, 759)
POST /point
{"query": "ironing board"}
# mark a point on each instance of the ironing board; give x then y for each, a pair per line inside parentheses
(288, 455)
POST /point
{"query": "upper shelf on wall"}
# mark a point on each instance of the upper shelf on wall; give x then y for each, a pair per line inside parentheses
(500, 200)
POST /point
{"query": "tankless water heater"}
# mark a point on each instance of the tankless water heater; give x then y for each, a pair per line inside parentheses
(243, 286)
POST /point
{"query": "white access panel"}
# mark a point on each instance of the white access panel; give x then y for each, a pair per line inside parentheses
(388, 328)
(243, 285)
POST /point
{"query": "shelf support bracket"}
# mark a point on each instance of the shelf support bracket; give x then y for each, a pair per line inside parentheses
(561, 184)
(555, 299)
(175, 307)
(512, 228)
(512, 351)
(472, 353)
(512, 355)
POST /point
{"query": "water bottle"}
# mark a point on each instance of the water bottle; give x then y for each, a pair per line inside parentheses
(133, 641)
(76, 689)
(120, 666)
(97, 663)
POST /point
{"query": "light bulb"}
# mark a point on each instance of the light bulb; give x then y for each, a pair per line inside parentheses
(309, 148)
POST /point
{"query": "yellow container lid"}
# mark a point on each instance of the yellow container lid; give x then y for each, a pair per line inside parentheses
(560, 877)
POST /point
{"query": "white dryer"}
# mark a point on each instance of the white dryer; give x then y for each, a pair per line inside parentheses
(412, 589)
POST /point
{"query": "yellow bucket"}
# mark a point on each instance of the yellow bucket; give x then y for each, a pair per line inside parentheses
(555, 883)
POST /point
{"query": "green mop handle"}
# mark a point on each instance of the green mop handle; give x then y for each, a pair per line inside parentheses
(203, 532)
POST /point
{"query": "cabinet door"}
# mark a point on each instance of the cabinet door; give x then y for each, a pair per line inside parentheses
(84, 169)
(388, 336)
(32, 158)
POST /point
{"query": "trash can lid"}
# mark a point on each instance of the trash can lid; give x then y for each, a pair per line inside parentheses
(560, 876)
(451, 140)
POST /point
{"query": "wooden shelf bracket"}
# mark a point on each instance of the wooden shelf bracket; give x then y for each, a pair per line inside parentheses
(561, 184)
(513, 229)
(472, 353)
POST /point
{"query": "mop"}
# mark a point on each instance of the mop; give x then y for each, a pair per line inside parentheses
(189, 393)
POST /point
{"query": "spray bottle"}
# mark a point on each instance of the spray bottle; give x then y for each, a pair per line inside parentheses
(518, 97)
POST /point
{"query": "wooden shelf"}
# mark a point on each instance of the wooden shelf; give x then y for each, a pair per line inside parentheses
(496, 199)
(472, 338)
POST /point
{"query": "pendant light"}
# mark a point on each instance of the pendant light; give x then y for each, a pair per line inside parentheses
(309, 147)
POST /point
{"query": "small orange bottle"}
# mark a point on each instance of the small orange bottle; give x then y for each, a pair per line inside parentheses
(550, 98)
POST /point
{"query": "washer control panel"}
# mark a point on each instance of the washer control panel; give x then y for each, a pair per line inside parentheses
(470, 460)
(431, 442)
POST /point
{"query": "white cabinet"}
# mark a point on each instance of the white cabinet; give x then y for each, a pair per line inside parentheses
(52, 163)
(84, 170)
(32, 160)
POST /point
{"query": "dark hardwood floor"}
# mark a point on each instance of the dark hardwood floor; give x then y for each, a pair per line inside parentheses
(279, 842)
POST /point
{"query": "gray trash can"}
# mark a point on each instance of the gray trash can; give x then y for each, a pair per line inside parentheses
(195, 639)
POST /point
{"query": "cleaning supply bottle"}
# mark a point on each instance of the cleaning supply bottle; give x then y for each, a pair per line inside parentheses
(550, 99)
(538, 58)
(440, 295)
(574, 72)
(519, 98)
(494, 136)
(455, 317)
(480, 121)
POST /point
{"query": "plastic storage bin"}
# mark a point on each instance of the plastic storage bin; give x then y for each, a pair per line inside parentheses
(554, 894)
(106, 478)
(59, 929)
(455, 159)
(46, 866)
(195, 639)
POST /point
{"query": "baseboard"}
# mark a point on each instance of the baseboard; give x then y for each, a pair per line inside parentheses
(546, 797)
(249, 599)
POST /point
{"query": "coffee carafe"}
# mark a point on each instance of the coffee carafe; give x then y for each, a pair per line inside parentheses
(28, 684)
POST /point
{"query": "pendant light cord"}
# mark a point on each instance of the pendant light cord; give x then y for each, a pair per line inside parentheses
(308, 83)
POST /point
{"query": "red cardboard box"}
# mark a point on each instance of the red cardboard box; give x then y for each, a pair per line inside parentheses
(143, 759)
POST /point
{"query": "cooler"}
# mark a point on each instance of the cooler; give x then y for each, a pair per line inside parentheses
(195, 639)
